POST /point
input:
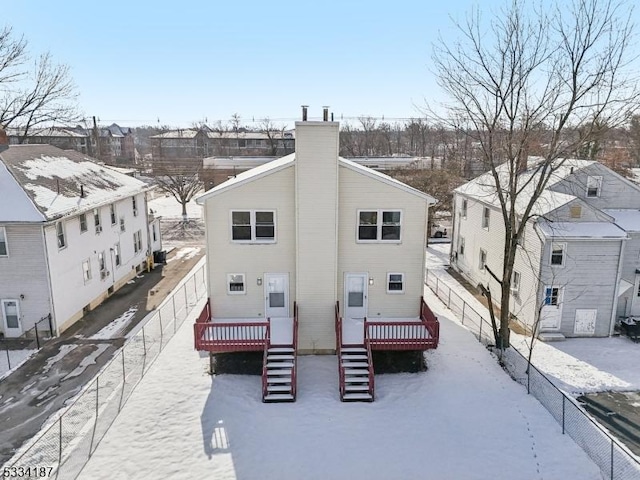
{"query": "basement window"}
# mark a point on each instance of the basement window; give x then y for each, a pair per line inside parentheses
(236, 284)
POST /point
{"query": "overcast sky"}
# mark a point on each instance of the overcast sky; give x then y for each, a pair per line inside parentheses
(142, 62)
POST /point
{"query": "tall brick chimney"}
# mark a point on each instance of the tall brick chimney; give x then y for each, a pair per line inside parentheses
(4, 140)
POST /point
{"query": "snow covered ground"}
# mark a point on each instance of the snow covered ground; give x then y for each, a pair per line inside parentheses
(463, 418)
(576, 365)
(12, 359)
(167, 207)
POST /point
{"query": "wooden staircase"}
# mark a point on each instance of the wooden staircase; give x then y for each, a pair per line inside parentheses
(279, 368)
(355, 367)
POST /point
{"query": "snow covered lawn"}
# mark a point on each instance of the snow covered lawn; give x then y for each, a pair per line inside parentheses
(166, 206)
(463, 418)
(12, 359)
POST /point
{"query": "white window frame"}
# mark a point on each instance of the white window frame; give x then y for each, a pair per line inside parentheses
(402, 283)
(558, 296)
(464, 208)
(3, 240)
(112, 214)
(252, 224)
(134, 205)
(379, 224)
(482, 260)
(86, 272)
(97, 221)
(516, 278)
(244, 284)
(82, 218)
(461, 246)
(486, 217)
(61, 234)
(122, 225)
(117, 254)
(598, 185)
(564, 254)
(137, 242)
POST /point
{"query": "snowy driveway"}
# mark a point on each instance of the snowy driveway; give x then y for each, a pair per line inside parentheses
(463, 418)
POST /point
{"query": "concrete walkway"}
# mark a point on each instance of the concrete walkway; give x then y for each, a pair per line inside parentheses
(42, 385)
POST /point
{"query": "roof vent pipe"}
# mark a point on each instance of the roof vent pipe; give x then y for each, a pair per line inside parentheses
(81, 191)
(304, 112)
(325, 114)
(332, 116)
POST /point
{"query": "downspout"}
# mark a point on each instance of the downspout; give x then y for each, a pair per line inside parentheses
(48, 270)
(617, 288)
(540, 288)
(454, 230)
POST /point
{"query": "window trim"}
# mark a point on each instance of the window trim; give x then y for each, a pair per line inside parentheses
(60, 231)
(379, 224)
(6, 242)
(515, 286)
(402, 282)
(117, 255)
(463, 209)
(252, 224)
(112, 215)
(137, 242)
(86, 274)
(97, 220)
(86, 226)
(244, 284)
(486, 217)
(558, 296)
(598, 179)
(564, 254)
(482, 263)
(461, 246)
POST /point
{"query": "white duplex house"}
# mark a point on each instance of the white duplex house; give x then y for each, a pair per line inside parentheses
(72, 232)
(314, 240)
(577, 269)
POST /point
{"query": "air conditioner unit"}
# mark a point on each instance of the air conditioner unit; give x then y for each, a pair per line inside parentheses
(98, 228)
(104, 274)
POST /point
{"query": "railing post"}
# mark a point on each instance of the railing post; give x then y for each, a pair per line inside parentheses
(480, 337)
(186, 300)
(173, 301)
(563, 400)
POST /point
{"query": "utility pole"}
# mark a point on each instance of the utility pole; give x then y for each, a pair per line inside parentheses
(97, 139)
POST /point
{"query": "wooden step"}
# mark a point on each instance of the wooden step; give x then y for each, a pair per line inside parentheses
(280, 350)
(278, 397)
(279, 365)
(357, 380)
(279, 388)
(357, 388)
(353, 350)
(279, 357)
(279, 372)
(279, 380)
(357, 397)
(356, 371)
(354, 356)
(355, 364)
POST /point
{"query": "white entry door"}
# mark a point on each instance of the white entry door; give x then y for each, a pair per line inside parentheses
(11, 318)
(551, 312)
(276, 293)
(355, 295)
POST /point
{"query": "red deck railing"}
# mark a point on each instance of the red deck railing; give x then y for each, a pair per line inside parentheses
(294, 380)
(367, 344)
(267, 344)
(405, 335)
(230, 337)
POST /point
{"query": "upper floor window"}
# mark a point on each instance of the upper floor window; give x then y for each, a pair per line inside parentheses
(515, 282)
(486, 213)
(117, 255)
(551, 296)
(379, 225)
(86, 270)
(96, 220)
(62, 241)
(83, 222)
(253, 226)
(557, 253)
(594, 186)
(112, 213)
(482, 260)
(461, 246)
(464, 208)
(4, 248)
(395, 282)
(137, 241)
(134, 204)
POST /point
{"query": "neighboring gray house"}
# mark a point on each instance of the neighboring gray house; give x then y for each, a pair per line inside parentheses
(578, 268)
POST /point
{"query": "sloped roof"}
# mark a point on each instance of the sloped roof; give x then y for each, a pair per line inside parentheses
(587, 230)
(288, 160)
(51, 179)
(626, 218)
(483, 188)
(186, 133)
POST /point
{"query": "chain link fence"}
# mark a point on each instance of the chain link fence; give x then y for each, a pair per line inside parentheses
(614, 459)
(14, 351)
(65, 446)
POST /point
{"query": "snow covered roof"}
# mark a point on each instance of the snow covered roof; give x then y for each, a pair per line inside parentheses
(483, 188)
(230, 162)
(582, 230)
(51, 179)
(187, 133)
(626, 218)
(248, 176)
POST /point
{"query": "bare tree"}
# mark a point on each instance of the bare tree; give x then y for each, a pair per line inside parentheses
(275, 135)
(33, 97)
(530, 74)
(182, 181)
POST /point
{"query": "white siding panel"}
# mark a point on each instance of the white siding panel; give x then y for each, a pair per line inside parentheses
(24, 272)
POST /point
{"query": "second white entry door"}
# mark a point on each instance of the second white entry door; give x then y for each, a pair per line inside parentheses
(276, 293)
(355, 295)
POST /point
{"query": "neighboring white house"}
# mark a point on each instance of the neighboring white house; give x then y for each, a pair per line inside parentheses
(576, 269)
(72, 232)
(309, 230)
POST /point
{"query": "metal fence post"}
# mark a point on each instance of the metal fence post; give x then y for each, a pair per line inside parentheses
(95, 424)
(464, 304)
(59, 448)
(563, 400)
(144, 342)
(449, 299)
(124, 377)
(37, 338)
(8, 357)
(173, 301)
(160, 321)
(612, 459)
(480, 328)
(186, 300)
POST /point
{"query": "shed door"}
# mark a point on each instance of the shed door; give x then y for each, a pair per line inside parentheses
(585, 321)
(11, 318)
(276, 292)
(355, 293)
